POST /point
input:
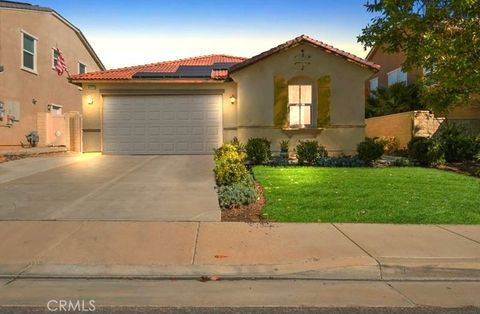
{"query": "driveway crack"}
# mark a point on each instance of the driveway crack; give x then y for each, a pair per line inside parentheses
(196, 242)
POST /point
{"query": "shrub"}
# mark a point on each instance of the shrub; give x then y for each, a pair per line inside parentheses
(279, 162)
(284, 145)
(425, 151)
(229, 165)
(455, 142)
(237, 194)
(370, 150)
(309, 152)
(341, 161)
(402, 162)
(258, 150)
(391, 145)
(237, 143)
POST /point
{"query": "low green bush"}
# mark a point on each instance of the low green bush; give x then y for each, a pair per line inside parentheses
(456, 143)
(402, 162)
(370, 150)
(258, 150)
(341, 161)
(237, 194)
(309, 152)
(425, 151)
(229, 165)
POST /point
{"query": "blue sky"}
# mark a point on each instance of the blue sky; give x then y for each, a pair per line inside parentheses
(126, 33)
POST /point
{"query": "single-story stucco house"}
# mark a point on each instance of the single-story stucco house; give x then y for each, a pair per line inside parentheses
(302, 89)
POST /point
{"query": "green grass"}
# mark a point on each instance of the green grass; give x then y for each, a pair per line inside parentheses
(370, 195)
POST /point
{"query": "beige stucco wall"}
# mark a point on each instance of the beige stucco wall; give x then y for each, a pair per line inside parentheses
(45, 86)
(403, 126)
(92, 114)
(256, 98)
(399, 125)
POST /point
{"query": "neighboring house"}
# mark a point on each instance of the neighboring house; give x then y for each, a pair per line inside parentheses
(32, 95)
(302, 89)
(391, 72)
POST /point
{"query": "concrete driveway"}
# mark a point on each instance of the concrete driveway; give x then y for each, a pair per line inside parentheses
(143, 188)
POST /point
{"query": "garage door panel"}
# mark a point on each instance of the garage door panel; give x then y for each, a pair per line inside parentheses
(162, 124)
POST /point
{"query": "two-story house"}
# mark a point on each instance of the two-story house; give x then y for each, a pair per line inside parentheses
(391, 72)
(33, 97)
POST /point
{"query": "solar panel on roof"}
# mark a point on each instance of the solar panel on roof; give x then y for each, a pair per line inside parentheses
(223, 65)
(187, 71)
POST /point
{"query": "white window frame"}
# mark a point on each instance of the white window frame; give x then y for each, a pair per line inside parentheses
(300, 106)
(81, 63)
(53, 58)
(398, 75)
(35, 40)
(375, 79)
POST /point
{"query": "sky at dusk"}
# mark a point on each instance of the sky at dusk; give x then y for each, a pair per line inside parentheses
(127, 33)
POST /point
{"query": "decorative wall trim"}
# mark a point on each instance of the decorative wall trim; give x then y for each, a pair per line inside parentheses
(152, 92)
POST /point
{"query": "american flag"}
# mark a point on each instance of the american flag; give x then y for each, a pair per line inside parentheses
(60, 66)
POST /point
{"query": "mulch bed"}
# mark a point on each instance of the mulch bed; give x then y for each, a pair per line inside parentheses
(247, 213)
(8, 157)
(466, 167)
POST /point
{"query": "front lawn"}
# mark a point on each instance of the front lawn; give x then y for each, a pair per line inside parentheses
(372, 195)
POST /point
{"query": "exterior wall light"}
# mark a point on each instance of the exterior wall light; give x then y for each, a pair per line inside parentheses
(232, 99)
(90, 100)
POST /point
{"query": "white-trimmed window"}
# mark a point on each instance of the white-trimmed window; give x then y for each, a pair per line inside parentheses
(55, 110)
(373, 84)
(82, 68)
(29, 52)
(397, 76)
(300, 105)
(54, 58)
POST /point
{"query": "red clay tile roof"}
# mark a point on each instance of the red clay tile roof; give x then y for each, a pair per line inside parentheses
(167, 66)
(309, 40)
(172, 66)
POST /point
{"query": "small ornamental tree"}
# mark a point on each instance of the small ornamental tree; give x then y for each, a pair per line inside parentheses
(441, 37)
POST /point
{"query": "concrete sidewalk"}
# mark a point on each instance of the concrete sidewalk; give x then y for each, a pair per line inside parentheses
(237, 250)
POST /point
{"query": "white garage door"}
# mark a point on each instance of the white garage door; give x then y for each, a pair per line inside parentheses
(177, 124)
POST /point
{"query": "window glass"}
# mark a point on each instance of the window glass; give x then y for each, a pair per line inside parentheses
(293, 94)
(28, 44)
(392, 78)
(374, 84)
(306, 115)
(294, 118)
(28, 61)
(299, 101)
(82, 68)
(397, 76)
(55, 57)
(306, 94)
(28, 53)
